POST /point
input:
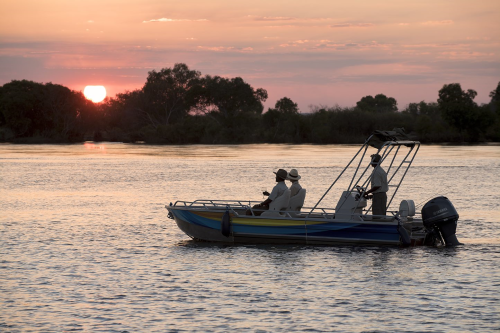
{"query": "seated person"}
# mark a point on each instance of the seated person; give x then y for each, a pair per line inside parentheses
(277, 191)
(294, 177)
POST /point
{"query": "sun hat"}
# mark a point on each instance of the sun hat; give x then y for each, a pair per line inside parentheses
(293, 175)
(281, 173)
(376, 158)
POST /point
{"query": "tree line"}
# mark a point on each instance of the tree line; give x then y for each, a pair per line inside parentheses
(181, 106)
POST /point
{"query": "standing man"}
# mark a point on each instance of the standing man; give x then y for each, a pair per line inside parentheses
(379, 187)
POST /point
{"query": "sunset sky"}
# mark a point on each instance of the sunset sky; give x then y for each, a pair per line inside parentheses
(314, 52)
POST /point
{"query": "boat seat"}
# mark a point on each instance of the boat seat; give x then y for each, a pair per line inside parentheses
(277, 205)
(296, 202)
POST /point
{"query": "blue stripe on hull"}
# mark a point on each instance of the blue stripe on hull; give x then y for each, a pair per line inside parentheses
(196, 219)
(286, 230)
(354, 230)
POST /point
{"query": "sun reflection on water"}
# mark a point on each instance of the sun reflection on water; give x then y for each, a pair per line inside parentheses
(93, 146)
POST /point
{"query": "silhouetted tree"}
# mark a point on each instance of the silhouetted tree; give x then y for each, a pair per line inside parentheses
(286, 106)
(168, 94)
(283, 123)
(229, 97)
(495, 99)
(43, 110)
(20, 103)
(67, 111)
(380, 103)
(423, 108)
(234, 105)
(125, 115)
(458, 107)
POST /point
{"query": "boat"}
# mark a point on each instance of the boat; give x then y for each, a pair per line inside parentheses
(350, 222)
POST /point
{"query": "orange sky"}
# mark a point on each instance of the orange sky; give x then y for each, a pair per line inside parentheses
(314, 52)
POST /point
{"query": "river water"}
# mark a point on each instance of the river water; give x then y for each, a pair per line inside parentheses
(85, 245)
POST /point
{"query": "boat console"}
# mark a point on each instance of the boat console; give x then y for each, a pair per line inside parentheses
(350, 204)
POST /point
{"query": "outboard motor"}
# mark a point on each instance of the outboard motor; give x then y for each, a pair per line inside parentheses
(439, 215)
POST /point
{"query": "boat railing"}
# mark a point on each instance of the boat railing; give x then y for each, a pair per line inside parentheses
(361, 179)
(210, 204)
(236, 207)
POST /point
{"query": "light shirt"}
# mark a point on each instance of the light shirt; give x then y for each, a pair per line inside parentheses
(295, 188)
(379, 178)
(278, 190)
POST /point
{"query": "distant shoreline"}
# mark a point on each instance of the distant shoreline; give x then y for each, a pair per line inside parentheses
(216, 110)
(490, 143)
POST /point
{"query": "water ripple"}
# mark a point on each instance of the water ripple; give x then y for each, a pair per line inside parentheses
(85, 246)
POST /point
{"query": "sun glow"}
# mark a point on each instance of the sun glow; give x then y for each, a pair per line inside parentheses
(95, 93)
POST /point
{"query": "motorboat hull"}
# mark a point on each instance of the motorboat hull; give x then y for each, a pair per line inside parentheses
(205, 225)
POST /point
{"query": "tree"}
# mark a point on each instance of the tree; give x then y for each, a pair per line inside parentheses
(458, 107)
(423, 108)
(286, 106)
(44, 110)
(232, 104)
(126, 111)
(379, 104)
(495, 99)
(412, 109)
(168, 94)
(229, 97)
(283, 122)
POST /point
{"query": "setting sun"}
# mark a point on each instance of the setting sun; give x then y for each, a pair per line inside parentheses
(95, 93)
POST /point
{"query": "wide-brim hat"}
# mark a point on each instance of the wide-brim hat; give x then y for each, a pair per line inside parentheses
(281, 173)
(375, 158)
(293, 175)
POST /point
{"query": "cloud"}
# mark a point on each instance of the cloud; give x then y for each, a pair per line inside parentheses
(273, 18)
(352, 25)
(465, 55)
(325, 45)
(437, 45)
(288, 21)
(282, 26)
(435, 23)
(225, 49)
(287, 18)
(216, 48)
(479, 38)
(163, 19)
(44, 52)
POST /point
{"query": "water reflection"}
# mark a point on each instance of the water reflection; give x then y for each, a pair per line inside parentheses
(92, 146)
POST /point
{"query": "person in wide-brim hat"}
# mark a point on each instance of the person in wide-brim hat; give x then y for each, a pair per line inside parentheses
(278, 190)
(294, 177)
(281, 174)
